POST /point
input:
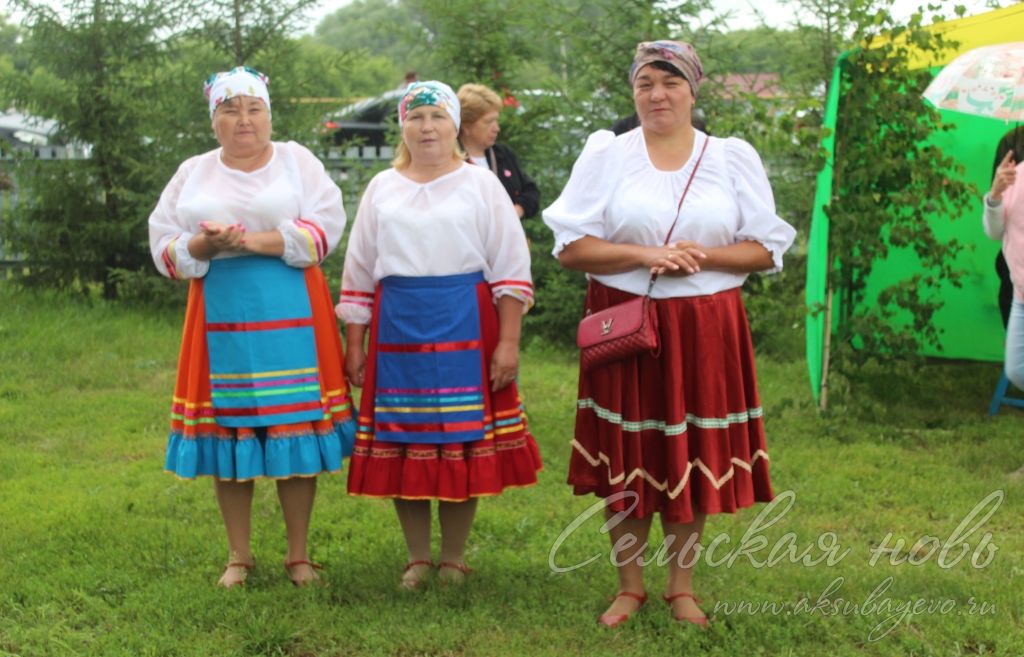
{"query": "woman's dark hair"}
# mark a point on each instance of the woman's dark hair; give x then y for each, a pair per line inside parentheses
(668, 68)
(1014, 139)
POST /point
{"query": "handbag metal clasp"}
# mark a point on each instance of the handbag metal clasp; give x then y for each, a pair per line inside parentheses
(606, 326)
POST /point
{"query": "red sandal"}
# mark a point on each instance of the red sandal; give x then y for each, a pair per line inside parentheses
(415, 583)
(451, 565)
(245, 566)
(288, 565)
(614, 620)
(699, 621)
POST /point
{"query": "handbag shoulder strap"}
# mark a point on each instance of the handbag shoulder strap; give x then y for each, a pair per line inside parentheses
(679, 208)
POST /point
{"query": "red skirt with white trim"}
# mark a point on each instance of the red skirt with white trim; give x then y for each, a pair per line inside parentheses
(681, 432)
(507, 457)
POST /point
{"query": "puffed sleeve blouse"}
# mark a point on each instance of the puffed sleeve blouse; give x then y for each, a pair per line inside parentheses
(458, 223)
(616, 194)
(292, 194)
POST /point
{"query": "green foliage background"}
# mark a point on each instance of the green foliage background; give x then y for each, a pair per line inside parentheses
(127, 80)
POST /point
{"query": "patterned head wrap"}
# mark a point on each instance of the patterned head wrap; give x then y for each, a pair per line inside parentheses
(430, 92)
(239, 81)
(680, 56)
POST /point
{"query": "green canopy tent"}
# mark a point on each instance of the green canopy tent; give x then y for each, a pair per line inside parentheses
(970, 324)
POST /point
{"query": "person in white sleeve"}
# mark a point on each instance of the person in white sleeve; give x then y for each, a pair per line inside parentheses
(438, 270)
(260, 391)
(677, 433)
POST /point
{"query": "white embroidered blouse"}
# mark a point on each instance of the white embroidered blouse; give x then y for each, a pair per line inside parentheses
(292, 194)
(459, 223)
(616, 194)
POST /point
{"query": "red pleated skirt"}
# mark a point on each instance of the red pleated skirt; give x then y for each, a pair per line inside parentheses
(507, 457)
(681, 432)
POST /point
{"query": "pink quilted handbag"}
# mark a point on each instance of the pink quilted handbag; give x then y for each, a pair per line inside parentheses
(617, 332)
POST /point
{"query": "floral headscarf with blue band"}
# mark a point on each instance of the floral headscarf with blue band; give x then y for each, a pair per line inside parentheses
(430, 92)
(239, 81)
(680, 56)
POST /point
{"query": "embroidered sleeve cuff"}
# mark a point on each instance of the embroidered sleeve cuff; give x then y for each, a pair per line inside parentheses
(355, 307)
(179, 263)
(305, 243)
(521, 290)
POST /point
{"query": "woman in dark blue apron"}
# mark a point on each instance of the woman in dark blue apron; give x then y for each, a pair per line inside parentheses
(438, 270)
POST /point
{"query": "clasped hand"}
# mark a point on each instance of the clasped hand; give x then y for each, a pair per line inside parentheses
(224, 237)
(676, 259)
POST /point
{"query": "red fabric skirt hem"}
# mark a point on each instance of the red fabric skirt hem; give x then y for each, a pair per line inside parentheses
(454, 472)
(680, 433)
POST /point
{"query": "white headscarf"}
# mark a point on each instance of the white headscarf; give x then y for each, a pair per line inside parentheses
(430, 92)
(239, 81)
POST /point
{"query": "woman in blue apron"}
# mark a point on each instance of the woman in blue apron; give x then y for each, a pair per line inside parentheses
(260, 392)
(438, 270)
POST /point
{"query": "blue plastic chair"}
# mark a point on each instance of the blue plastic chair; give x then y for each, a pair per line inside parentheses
(999, 397)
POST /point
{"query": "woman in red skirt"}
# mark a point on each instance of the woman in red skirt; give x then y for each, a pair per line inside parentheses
(438, 269)
(679, 433)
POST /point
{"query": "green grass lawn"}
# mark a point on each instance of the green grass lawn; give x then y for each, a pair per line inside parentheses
(102, 553)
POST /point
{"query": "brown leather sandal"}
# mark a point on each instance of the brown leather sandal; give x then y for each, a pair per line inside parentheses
(699, 621)
(614, 620)
(288, 565)
(451, 565)
(246, 567)
(410, 583)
